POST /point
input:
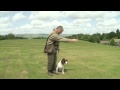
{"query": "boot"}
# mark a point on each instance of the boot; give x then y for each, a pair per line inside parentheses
(50, 73)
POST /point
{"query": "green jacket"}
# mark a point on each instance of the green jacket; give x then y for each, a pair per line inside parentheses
(57, 38)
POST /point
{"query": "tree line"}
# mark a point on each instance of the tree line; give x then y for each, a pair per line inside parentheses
(12, 36)
(97, 37)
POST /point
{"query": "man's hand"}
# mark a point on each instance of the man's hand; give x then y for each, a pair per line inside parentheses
(74, 40)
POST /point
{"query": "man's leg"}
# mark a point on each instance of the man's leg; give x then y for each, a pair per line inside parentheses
(50, 63)
(54, 63)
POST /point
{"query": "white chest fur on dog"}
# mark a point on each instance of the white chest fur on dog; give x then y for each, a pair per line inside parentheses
(60, 65)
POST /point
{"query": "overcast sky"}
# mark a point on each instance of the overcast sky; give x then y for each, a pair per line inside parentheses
(73, 22)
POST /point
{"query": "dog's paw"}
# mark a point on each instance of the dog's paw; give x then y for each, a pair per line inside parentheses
(63, 73)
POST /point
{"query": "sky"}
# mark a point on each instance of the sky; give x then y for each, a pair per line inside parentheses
(73, 22)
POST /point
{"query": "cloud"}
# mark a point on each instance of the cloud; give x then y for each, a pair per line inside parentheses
(72, 21)
(4, 31)
(81, 21)
(108, 22)
(27, 26)
(4, 23)
(4, 19)
(88, 25)
(37, 22)
(4, 11)
(84, 14)
(18, 16)
(45, 15)
(111, 14)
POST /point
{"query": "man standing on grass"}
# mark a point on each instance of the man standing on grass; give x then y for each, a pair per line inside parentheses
(55, 38)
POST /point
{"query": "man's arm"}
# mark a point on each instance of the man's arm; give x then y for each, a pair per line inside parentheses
(62, 39)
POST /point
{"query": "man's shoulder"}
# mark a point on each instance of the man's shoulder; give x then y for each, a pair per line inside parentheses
(54, 33)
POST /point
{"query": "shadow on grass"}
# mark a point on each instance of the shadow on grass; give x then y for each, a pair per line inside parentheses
(68, 69)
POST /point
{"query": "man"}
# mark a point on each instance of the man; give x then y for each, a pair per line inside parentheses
(55, 38)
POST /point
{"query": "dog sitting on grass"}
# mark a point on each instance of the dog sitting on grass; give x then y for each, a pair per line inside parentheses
(60, 65)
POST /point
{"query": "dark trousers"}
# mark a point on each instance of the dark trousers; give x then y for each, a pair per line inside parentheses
(52, 59)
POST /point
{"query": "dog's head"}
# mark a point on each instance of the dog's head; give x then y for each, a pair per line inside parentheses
(64, 61)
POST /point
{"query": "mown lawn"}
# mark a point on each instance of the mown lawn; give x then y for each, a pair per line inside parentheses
(24, 59)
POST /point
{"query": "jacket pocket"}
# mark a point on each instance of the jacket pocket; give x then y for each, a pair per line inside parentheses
(50, 49)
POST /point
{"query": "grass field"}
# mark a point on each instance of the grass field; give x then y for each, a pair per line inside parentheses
(24, 59)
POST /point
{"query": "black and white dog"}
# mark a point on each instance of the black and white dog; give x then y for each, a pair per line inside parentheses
(60, 65)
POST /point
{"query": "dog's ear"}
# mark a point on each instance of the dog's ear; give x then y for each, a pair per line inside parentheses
(63, 61)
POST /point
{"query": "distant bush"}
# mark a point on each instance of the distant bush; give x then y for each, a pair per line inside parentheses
(2, 37)
(112, 42)
(39, 38)
(10, 36)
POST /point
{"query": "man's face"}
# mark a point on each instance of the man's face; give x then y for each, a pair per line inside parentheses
(60, 31)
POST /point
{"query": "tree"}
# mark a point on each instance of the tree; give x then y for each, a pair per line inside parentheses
(111, 35)
(91, 39)
(105, 36)
(118, 33)
(98, 39)
(2, 37)
(112, 42)
(10, 36)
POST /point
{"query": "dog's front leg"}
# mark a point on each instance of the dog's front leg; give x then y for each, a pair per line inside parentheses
(63, 70)
(56, 69)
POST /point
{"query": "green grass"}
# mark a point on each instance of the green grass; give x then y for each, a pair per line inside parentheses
(85, 60)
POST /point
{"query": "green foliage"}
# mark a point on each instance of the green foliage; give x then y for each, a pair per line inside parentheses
(112, 42)
(91, 39)
(40, 38)
(105, 36)
(20, 37)
(10, 36)
(118, 33)
(96, 38)
(111, 35)
(2, 37)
